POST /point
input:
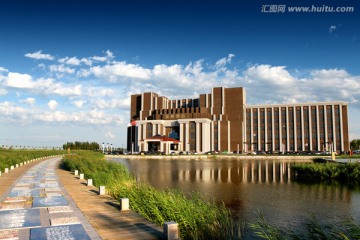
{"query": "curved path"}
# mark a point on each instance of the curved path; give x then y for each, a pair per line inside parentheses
(47, 202)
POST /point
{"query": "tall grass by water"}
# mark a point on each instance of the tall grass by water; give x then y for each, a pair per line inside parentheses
(327, 171)
(315, 230)
(197, 218)
(11, 157)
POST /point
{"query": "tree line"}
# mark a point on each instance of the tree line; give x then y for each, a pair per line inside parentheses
(81, 146)
(355, 144)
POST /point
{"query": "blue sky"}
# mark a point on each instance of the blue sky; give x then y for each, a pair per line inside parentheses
(67, 68)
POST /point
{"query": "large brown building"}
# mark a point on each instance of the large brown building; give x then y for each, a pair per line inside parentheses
(221, 121)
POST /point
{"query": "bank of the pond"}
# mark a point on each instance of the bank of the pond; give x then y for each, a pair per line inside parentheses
(229, 156)
(197, 218)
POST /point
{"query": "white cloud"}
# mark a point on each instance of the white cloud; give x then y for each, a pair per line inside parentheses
(332, 28)
(71, 61)
(46, 86)
(99, 59)
(30, 101)
(79, 103)
(39, 55)
(100, 92)
(223, 61)
(18, 80)
(86, 61)
(270, 74)
(52, 104)
(61, 69)
(110, 135)
(2, 69)
(109, 54)
(2, 92)
(121, 71)
(113, 103)
(25, 116)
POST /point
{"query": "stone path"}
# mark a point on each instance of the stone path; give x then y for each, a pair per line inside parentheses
(37, 207)
(47, 202)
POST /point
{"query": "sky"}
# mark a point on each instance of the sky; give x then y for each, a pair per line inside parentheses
(68, 68)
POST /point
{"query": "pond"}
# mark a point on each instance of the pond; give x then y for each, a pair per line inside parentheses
(249, 186)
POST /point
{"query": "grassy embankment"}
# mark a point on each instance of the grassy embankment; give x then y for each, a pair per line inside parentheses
(16, 156)
(197, 219)
(349, 172)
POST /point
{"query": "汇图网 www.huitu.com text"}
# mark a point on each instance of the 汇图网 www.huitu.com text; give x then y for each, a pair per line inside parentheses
(306, 9)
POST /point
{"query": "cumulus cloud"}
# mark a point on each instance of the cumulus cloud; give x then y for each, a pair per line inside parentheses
(30, 101)
(2, 92)
(223, 61)
(52, 104)
(2, 69)
(269, 74)
(79, 103)
(71, 61)
(18, 80)
(39, 55)
(121, 71)
(110, 135)
(46, 86)
(113, 103)
(61, 69)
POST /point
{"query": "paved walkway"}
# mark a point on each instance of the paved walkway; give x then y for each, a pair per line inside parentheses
(47, 202)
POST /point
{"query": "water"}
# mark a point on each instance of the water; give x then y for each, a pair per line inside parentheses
(249, 186)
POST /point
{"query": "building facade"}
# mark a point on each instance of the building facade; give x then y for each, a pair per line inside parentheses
(221, 121)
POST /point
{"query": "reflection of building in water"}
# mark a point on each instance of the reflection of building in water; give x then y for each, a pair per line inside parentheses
(232, 176)
(248, 172)
(222, 121)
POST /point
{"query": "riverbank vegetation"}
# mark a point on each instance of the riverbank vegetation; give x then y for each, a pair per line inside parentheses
(197, 218)
(314, 230)
(327, 171)
(11, 157)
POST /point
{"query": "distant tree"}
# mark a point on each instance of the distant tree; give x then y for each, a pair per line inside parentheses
(81, 145)
(355, 144)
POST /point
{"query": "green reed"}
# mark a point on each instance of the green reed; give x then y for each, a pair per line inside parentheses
(314, 230)
(11, 157)
(327, 171)
(197, 218)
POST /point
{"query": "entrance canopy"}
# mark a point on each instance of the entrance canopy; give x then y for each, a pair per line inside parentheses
(160, 143)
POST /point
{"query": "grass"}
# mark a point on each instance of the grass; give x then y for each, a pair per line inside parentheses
(314, 230)
(11, 157)
(327, 171)
(197, 218)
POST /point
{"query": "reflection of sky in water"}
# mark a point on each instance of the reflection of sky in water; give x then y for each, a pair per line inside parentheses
(248, 186)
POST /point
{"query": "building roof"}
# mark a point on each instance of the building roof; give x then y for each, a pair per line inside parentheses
(160, 138)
